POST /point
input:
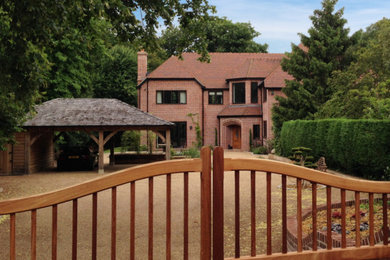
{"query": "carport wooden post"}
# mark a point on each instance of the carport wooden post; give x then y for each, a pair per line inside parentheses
(101, 152)
(168, 144)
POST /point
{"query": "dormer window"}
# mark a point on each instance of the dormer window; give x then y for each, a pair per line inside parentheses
(238, 93)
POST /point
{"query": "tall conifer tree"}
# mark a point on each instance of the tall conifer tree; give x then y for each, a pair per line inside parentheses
(311, 64)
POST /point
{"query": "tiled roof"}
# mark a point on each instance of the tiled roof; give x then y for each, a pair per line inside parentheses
(222, 67)
(276, 78)
(91, 112)
(241, 110)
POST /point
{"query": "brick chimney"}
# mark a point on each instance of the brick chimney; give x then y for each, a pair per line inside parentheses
(142, 61)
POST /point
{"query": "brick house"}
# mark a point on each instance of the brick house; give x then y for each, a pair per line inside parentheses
(230, 97)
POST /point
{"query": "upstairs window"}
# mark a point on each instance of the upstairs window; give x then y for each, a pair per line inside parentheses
(254, 92)
(171, 97)
(216, 97)
(238, 93)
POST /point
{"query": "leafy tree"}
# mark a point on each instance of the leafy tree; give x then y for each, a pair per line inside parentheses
(221, 34)
(363, 90)
(74, 54)
(311, 64)
(33, 31)
(118, 75)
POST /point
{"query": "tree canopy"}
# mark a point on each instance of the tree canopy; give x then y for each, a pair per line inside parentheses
(220, 34)
(117, 75)
(47, 47)
(311, 64)
(363, 90)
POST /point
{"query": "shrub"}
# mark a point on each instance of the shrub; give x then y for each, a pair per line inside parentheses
(360, 147)
(130, 141)
(192, 152)
(301, 156)
(259, 150)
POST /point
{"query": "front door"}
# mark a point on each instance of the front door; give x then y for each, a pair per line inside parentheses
(236, 137)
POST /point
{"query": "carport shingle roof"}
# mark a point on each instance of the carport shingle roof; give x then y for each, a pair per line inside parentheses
(91, 112)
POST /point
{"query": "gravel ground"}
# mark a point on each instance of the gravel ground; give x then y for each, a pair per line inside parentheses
(19, 186)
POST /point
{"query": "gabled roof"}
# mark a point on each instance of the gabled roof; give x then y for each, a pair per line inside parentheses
(72, 112)
(222, 67)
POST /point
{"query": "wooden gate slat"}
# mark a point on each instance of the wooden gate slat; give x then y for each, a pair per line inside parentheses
(132, 220)
(284, 214)
(168, 217)
(299, 215)
(253, 213)
(269, 215)
(94, 226)
(357, 219)
(185, 220)
(33, 234)
(12, 236)
(218, 218)
(54, 224)
(343, 220)
(314, 213)
(237, 213)
(329, 217)
(385, 220)
(74, 230)
(371, 227)
(150, 225)
(113, 223)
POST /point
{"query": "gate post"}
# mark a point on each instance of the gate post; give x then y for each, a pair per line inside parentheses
(218, 174)
(205, 207)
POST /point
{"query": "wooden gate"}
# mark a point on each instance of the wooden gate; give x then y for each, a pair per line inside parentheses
(212, 232)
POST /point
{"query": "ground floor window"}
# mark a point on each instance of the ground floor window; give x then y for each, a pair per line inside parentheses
(256, 131)
(265, 129)
(179, 135)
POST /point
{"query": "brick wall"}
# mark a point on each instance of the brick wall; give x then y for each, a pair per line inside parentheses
(267, 108)
(173, 112)
(210, 117)
(179, 112)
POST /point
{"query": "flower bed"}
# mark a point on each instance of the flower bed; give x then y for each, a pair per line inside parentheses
(336, 220)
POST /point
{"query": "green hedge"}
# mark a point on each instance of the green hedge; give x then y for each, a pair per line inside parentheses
(359, 147)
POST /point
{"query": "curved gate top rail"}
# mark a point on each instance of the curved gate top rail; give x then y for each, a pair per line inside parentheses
(307, 174)
(99, 184)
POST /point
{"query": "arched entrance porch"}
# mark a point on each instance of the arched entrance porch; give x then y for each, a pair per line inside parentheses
(231, 134)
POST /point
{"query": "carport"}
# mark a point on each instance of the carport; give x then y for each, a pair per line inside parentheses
(103, 116)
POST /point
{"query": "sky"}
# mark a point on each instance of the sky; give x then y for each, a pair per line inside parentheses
(280, 21)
